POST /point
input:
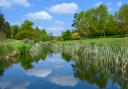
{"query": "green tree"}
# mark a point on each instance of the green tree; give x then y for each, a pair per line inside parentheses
(112, 28)
(102, 16)
(123, 19)
(4, 27)
(67, 35)
(27, 31)
(14, 30)
(27, 25)
(43, 35)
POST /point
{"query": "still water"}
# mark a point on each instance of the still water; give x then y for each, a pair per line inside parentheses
(53, 72)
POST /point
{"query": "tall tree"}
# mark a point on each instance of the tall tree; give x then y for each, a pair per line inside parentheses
(112, 28)
(123, 19)
(4, 27)
(102, 16)
(67, 35)
(14, 30)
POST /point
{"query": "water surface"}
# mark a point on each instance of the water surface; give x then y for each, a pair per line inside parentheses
(52, 73)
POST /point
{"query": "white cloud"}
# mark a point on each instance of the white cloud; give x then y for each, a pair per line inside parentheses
(10, 85)
(9, 3)
(64, 80)
(98, 3)
(23, 85)
(109, 4)
(41, 15)
(39, 72)
(119, 4)
(64, 8)
(56, 28)
(4, 84)
(24, 3)
(5, 3)
(59, 22)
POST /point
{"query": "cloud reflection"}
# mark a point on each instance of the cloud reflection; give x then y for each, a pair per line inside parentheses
(64, 81)
(4, 84)
(39, 72)
(10, 85)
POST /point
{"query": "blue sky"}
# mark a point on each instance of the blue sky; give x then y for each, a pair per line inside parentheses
(53, 15)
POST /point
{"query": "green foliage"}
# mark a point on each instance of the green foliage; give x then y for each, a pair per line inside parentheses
(44, 55)
(67, 35)
(98, 22)
(27, 31)
(112, 28)
(14, 30)
(66, 57)
(123, 19)
(4, 27)
(25, 34)
(24, 50)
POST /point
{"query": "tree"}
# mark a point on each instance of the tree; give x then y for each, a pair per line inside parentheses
(4, 27)
(123, 19)
(14, 30)
(67, 35)
(27, 31)
(2, 20)
(102, 16)
(50, 36)
(43, 35)
(27, 25)
(112, 28)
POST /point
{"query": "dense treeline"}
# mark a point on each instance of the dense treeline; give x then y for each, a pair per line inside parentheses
(97, 22)
(25, 31)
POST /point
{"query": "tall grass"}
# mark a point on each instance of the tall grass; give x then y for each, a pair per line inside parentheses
(5, 49)
(13, 48)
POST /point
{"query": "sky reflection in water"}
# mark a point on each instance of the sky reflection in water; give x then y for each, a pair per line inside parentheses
(52, 73)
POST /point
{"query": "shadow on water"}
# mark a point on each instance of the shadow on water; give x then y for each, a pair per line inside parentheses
(95, 64)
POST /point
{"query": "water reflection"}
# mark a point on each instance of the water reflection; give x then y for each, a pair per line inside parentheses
(104, 66)
(64, 80)
(10, 85)
(39, 72)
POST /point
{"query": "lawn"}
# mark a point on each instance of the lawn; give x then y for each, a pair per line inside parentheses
(12, 47)
(123, 40)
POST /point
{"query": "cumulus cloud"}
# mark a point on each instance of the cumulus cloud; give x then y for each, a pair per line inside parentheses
(9, 3)
(39, 72)
(98, 3)
(64, 8)
(59, 22)
(23, 85)
(41, 15)
(56, 28)
(10, 85)
(5, 84)
(24, 3)
(119, 4)
(64, 80)
(5, 3)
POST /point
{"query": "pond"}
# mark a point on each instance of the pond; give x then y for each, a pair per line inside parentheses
(64, 69)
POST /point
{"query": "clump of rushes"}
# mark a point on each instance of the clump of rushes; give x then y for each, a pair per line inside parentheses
(5, 49)
(24, 50)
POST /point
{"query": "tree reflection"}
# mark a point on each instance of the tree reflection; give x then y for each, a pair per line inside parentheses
(88, 66)
(66, 57)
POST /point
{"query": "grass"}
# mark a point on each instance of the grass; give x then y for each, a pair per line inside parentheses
(98, 40)
(110, 49)
(9, 46)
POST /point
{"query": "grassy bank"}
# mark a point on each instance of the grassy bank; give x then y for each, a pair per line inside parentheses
(10, 48)
(122, 40)
(110, 49)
